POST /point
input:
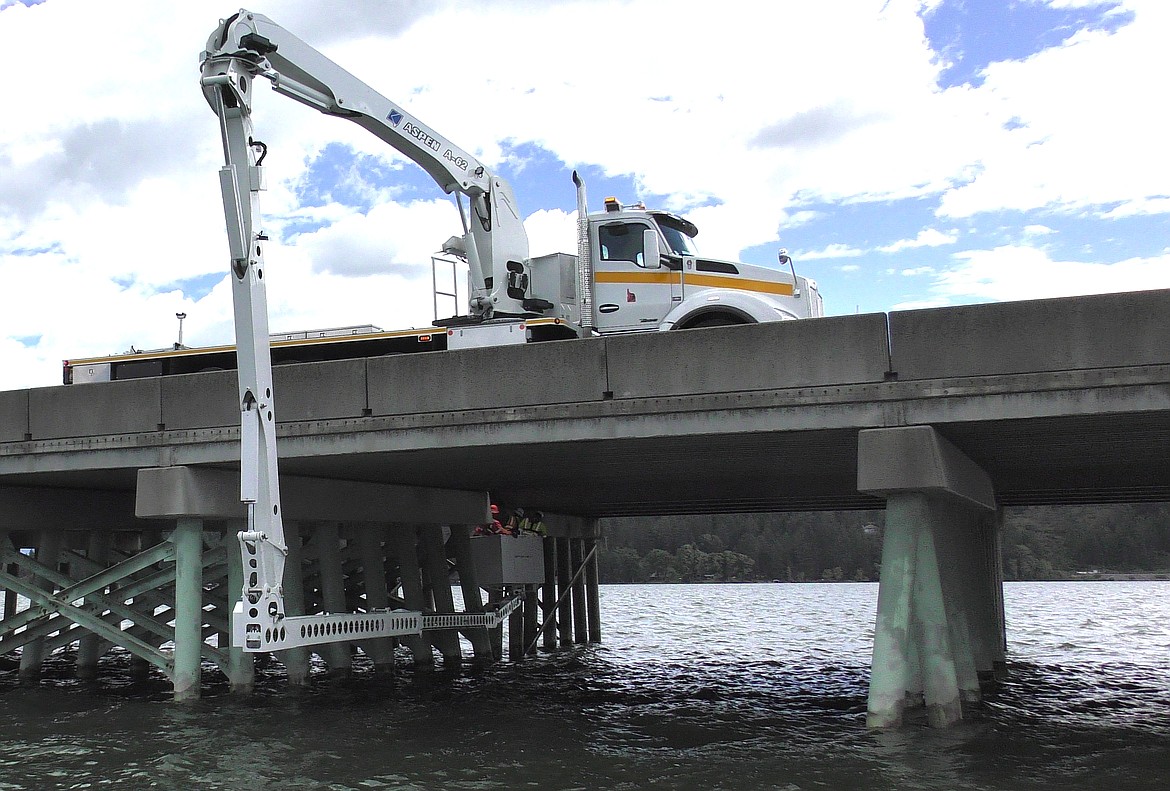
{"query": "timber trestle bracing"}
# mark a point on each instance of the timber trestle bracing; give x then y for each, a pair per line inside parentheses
(167, 591)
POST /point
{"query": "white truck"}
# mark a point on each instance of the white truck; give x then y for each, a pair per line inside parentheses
(635, 270)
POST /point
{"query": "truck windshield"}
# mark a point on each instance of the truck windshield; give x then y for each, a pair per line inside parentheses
(679, 242)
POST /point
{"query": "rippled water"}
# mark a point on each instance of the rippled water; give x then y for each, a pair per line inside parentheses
(695, 687)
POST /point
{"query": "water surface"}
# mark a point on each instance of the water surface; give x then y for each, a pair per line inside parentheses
(694, 687)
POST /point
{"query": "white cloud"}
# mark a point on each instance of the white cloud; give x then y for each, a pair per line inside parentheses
(832, 251)
(110, 171)
(927, 237)
(1092, 129)
(917, 271)
(1019, 272)
(1139, 206)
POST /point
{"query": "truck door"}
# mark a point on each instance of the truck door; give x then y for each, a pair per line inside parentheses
(629, 295)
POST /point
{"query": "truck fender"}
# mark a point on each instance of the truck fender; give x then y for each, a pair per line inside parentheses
(724, 305)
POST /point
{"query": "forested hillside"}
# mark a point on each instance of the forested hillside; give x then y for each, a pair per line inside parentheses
(1038, 543)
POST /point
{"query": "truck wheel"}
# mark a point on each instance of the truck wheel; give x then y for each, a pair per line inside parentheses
(716, 320)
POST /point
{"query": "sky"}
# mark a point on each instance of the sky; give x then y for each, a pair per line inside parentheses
(908, 153)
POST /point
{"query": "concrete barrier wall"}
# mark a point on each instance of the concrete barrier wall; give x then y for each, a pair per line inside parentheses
(556, 372)
(809, 353)
(1073, 333)
(205, 400)
(319, 391)
(306, 391)
(13, 415)
(130, 407)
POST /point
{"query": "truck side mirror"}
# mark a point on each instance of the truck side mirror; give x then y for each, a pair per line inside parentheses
(651, 256)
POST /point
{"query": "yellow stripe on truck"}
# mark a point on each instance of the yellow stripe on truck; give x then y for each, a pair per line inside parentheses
(709, 281)
(170, 353)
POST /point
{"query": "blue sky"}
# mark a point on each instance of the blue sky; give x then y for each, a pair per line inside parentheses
(909, 153)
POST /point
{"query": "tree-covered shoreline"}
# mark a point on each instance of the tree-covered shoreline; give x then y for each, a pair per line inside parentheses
(1040, 543)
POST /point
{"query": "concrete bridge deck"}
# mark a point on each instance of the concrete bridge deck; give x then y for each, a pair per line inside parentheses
(1064, 400)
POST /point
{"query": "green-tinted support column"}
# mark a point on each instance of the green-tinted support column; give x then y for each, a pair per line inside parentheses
(405, 539)
(90, 645)
(580, 607)
(460, 544)
(496, 635)
(48, 551)
(381, 650)
(592, 590)
(994, 543)
(548, 594)
(188, 541)
(328, 541)
(531, 616)
(957, 550)
(296, 660)
(891, 672)
(516, 644)
(438, 578)
(9, 595)
(564, 576)
(939, 679)
(241, 669)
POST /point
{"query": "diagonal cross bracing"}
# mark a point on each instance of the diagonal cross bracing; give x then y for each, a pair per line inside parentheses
(90, 621)
(91, 612)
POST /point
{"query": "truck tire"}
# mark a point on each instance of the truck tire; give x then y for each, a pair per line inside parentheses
(716, 320)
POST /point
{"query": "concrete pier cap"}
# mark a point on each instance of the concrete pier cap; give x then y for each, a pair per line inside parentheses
(919, 459)
(212, 493)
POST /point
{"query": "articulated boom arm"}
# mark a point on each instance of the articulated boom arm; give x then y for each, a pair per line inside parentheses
(250, 45)
(241, 179)
(243, 48)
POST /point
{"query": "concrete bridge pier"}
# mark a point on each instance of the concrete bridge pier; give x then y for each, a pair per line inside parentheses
(939, 614)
